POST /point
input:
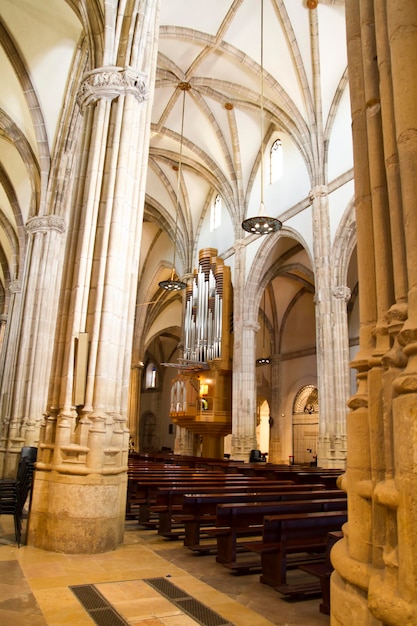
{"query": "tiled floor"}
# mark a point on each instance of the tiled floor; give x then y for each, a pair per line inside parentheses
(36, 586)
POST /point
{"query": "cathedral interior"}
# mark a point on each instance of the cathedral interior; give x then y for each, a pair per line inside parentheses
(207, 250)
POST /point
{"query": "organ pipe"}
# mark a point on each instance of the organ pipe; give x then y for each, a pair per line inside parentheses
(203, 323)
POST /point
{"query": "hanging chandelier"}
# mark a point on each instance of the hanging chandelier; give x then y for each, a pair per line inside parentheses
(262, 224)
(174, 283)
(264, 360)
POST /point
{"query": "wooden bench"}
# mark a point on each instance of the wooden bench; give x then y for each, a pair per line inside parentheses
(170, 501)
(323, 571)
(234, 521)
(141, 489)
(142, 492)
(199, 509)
(301, 535)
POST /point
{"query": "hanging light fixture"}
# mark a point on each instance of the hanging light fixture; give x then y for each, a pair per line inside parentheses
(174, 283)
(262, 224)
(264, 360)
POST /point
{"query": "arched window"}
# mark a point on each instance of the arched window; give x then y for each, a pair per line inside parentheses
(151, 376)
(275, 161)
(306, 400)
(216, 213)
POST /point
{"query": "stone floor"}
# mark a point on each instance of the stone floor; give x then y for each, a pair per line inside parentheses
(39, 588)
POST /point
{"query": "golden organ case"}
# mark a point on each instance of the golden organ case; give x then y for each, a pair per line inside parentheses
(201, 395)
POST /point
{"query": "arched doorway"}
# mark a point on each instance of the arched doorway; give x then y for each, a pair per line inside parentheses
(147, 433)
(305, 425)
(263, 427)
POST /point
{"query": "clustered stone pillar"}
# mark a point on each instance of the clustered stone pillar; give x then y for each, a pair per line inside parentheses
(79, 494)
(244, 378)
(184, 442)
(276, 410)
(375, 580)
(29, 337)
(244, 391)
(331, 332)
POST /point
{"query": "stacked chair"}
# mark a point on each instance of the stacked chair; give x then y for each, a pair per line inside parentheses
(14, 492)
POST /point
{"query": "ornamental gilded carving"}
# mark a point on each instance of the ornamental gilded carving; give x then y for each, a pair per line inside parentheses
(111, 82)
(46, 223)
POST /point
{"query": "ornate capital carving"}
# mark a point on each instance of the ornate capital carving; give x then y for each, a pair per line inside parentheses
(319, 191)
(111, 82)
(251, 325)
(46, 223)
(239, 244)
(15, 286)
(342, 292)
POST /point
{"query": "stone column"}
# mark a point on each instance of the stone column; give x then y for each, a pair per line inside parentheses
(375, 563)
(340, 297)
(276, 411)
(184, 442)
(136, 373)
(331, 346)
(79, 495)
(3, 322)
(244, 390)
(11, 439)
(30, 337)
(244, 376)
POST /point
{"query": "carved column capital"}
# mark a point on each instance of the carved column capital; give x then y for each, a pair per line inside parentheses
(111, 82)
(239, 244)
(342, 292)
(319, 191)
(46, 223)
(251, 325)
(15, 286)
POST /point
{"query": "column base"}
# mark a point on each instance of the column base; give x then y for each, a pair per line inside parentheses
(77, 514)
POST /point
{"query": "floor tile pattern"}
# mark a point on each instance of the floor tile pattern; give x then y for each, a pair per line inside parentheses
(36, 587)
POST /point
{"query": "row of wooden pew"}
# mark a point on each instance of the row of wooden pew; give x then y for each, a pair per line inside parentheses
(249, 521)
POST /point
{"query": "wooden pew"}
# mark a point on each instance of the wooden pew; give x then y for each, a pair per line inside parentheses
(141, 487)
(142, 491)
(169, 501)
(323, 571)
(300, 535)
(234, 521)
(199, 509)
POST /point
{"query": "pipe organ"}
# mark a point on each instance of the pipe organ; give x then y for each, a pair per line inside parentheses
(201, 394)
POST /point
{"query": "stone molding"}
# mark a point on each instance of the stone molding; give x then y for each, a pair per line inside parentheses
(110, 83)
(42, 224)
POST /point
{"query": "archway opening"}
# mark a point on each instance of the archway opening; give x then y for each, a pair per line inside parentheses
(305, 425)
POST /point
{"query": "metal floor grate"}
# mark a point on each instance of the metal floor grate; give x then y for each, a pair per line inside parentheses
(97, 607)
(189, 605)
